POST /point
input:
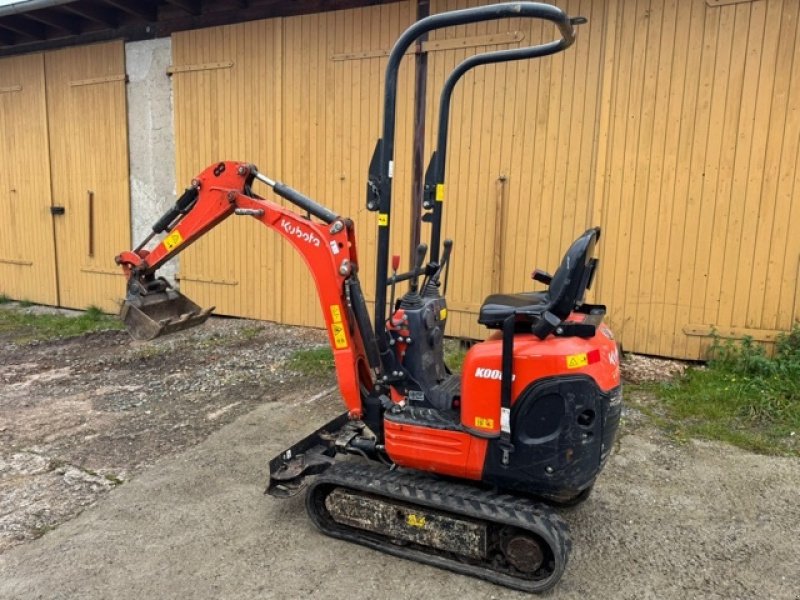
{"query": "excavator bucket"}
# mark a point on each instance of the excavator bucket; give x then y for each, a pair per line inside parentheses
(152, 315)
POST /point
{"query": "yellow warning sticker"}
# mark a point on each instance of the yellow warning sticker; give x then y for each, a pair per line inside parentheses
(416, 521)
(383, 220)
(443, 314)
(336, 313)
(439, 192)
(576, 361)
(484, 423)
(173, 240)
(339, 336)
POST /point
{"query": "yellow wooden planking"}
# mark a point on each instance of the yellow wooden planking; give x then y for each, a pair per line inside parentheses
(697, 225)
(519, 133)
(27, 251)
(89, 153)
(231, 113)
(780, 151)
(304, 120)
(672, 124)
(334, 121)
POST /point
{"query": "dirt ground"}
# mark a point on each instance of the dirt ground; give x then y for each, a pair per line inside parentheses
(82, 415)
(137, 470)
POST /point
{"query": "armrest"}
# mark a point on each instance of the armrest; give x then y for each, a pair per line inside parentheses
(542, 276)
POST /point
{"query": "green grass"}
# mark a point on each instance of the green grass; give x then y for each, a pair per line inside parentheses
(454, 352)
(319, 361)
(22, 328)
(5, 299)
(742, 396)
(314, 361)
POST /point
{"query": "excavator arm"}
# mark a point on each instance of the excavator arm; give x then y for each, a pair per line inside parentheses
(152, 308)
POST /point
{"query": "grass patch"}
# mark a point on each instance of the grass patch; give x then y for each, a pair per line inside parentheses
(5, 299)
(454, 352)
(22, 328)
(742, 396)
(319, 361)
(314, 361)
(251, 332)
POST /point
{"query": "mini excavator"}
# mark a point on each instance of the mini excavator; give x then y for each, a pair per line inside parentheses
(464, 471)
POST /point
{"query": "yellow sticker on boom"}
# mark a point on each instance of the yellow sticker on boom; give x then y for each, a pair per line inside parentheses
(383, 220)
(416, 521)
(484, 423)
(173, 240)
(339, 336)
(443, 314)
(576, 361)
(336, 313)
(440, 192)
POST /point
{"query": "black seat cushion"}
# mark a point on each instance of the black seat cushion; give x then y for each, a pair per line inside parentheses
(497, 307)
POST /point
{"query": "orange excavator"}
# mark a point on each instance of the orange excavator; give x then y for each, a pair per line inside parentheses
(464, 471)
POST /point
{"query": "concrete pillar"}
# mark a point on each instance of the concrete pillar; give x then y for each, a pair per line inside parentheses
(151, 137)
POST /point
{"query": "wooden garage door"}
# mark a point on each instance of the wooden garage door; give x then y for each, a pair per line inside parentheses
(27, 250)
(275, 93)
(89, 165)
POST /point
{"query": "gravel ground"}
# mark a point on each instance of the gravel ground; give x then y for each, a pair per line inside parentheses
(82, 415)
(137, 470)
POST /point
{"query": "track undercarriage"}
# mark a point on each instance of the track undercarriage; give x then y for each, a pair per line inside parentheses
(504, 539)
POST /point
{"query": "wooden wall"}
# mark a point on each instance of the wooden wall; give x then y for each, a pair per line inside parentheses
(269, 92)
(673, 124)
(63, 138)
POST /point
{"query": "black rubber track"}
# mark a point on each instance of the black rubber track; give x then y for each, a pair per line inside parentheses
(413, 487)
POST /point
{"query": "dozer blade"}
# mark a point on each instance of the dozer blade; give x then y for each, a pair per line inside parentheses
(149, 316)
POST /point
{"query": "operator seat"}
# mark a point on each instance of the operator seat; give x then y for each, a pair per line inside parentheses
(565, 292)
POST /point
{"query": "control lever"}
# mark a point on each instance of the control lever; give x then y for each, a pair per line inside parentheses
(395, 266)
(422, 250)
(444, 265)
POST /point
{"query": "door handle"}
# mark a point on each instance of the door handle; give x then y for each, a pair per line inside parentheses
(90, 194)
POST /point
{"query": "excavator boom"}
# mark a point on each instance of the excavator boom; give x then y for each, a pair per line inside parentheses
(153, 308)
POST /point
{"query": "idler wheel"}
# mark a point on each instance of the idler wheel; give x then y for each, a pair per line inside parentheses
(524, 554)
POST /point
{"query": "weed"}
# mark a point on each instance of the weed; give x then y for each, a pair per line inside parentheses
(41, 530)
(454, 352)
(113, 479)
(251, 332)
(22, 328)
(314, 361)
(5, 299)
(742, 396)
(25, 303)
(150, 351)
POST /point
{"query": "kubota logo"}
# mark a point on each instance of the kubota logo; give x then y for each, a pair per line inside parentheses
(496, 374)
(295, 230)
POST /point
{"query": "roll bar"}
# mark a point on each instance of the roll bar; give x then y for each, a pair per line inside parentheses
(435, 175)
(379, 186)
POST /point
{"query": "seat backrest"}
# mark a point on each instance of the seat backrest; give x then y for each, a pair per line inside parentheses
(574, 274)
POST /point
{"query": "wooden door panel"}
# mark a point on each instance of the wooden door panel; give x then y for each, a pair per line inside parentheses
(89, 165)
(27, 251)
